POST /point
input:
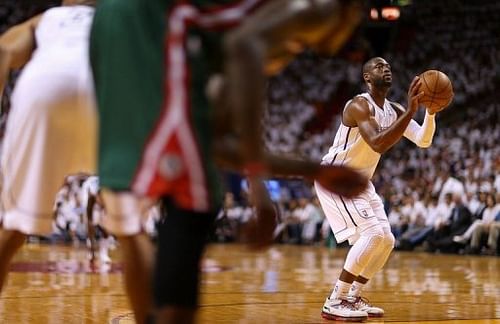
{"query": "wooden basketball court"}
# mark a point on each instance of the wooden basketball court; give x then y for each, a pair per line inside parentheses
(286, 284)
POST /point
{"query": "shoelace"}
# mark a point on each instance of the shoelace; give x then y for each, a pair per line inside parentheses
(362, 300)
(348, 304)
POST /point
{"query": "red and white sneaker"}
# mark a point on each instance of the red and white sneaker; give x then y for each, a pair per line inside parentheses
(362, 304)
(342, 310)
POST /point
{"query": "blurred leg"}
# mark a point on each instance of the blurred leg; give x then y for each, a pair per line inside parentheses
(138, 261)
(10, 242)
(181, 241)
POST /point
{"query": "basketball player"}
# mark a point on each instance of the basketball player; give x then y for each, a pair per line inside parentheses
(371, 124)
(94, 209)
(52, 124)
(156, 137)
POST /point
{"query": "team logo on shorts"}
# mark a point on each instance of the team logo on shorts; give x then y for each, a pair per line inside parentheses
(170, 166)
(364, 212)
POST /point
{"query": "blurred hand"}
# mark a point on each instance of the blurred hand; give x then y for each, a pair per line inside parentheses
(258, 233)
(341, 180)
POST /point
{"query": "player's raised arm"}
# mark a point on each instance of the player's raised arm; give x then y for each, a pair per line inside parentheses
(16, 46)
(358, 114)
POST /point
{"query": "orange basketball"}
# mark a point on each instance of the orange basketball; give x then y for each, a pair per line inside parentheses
(437, 88)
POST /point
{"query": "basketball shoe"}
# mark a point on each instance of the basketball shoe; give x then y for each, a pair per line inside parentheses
(362, 304)
(342, 310)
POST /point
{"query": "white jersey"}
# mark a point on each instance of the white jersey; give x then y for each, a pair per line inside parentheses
(52, 114)
(350, 149)
(62, 36)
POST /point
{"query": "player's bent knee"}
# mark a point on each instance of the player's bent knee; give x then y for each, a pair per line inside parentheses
(389, 241)
(375, 241)
(367, 246)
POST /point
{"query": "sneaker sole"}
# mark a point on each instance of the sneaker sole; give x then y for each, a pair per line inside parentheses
(375, 315)
(341, 318)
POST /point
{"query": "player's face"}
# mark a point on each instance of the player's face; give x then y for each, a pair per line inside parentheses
(380, 74)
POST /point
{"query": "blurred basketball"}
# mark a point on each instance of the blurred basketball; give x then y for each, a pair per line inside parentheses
(438, 90)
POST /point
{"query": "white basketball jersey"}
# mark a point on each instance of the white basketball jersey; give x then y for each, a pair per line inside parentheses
(350, 149)
(62, 34)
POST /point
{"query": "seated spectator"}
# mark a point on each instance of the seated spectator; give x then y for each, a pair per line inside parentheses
(480, 226)
(421, 227)
(292, 222)
(477, 204)
(442, 239)
(493, 236)
(397, 221)
(311, 217)
(229, 219)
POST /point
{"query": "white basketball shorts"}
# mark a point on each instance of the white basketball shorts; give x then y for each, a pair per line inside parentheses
(348, 217)
(51, 132)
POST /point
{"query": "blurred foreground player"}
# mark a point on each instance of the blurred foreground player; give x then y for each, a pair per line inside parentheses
(156, 129)
(371, 124)
(52, 123)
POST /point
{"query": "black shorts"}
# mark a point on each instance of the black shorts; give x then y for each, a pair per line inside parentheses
(182, 236)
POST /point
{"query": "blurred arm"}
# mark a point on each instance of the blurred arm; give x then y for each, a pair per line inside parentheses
(16, 46)
(269, 39)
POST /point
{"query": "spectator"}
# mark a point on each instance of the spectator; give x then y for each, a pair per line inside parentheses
(442, 238)
(480, 226)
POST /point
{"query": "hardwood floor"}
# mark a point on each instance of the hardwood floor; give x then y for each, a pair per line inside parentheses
(286, 284)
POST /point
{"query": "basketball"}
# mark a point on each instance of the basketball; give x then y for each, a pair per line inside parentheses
(438, 90)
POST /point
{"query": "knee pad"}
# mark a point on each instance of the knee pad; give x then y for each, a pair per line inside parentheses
(369, 243)
(380, 258)
(389, 241)
(387, 245)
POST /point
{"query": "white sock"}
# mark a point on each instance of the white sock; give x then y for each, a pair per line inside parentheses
(341, 290)
(356, 289)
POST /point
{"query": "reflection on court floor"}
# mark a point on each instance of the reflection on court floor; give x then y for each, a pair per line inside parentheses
(286, 284)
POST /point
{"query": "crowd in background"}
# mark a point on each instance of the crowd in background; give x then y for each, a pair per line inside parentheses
(445, 198)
